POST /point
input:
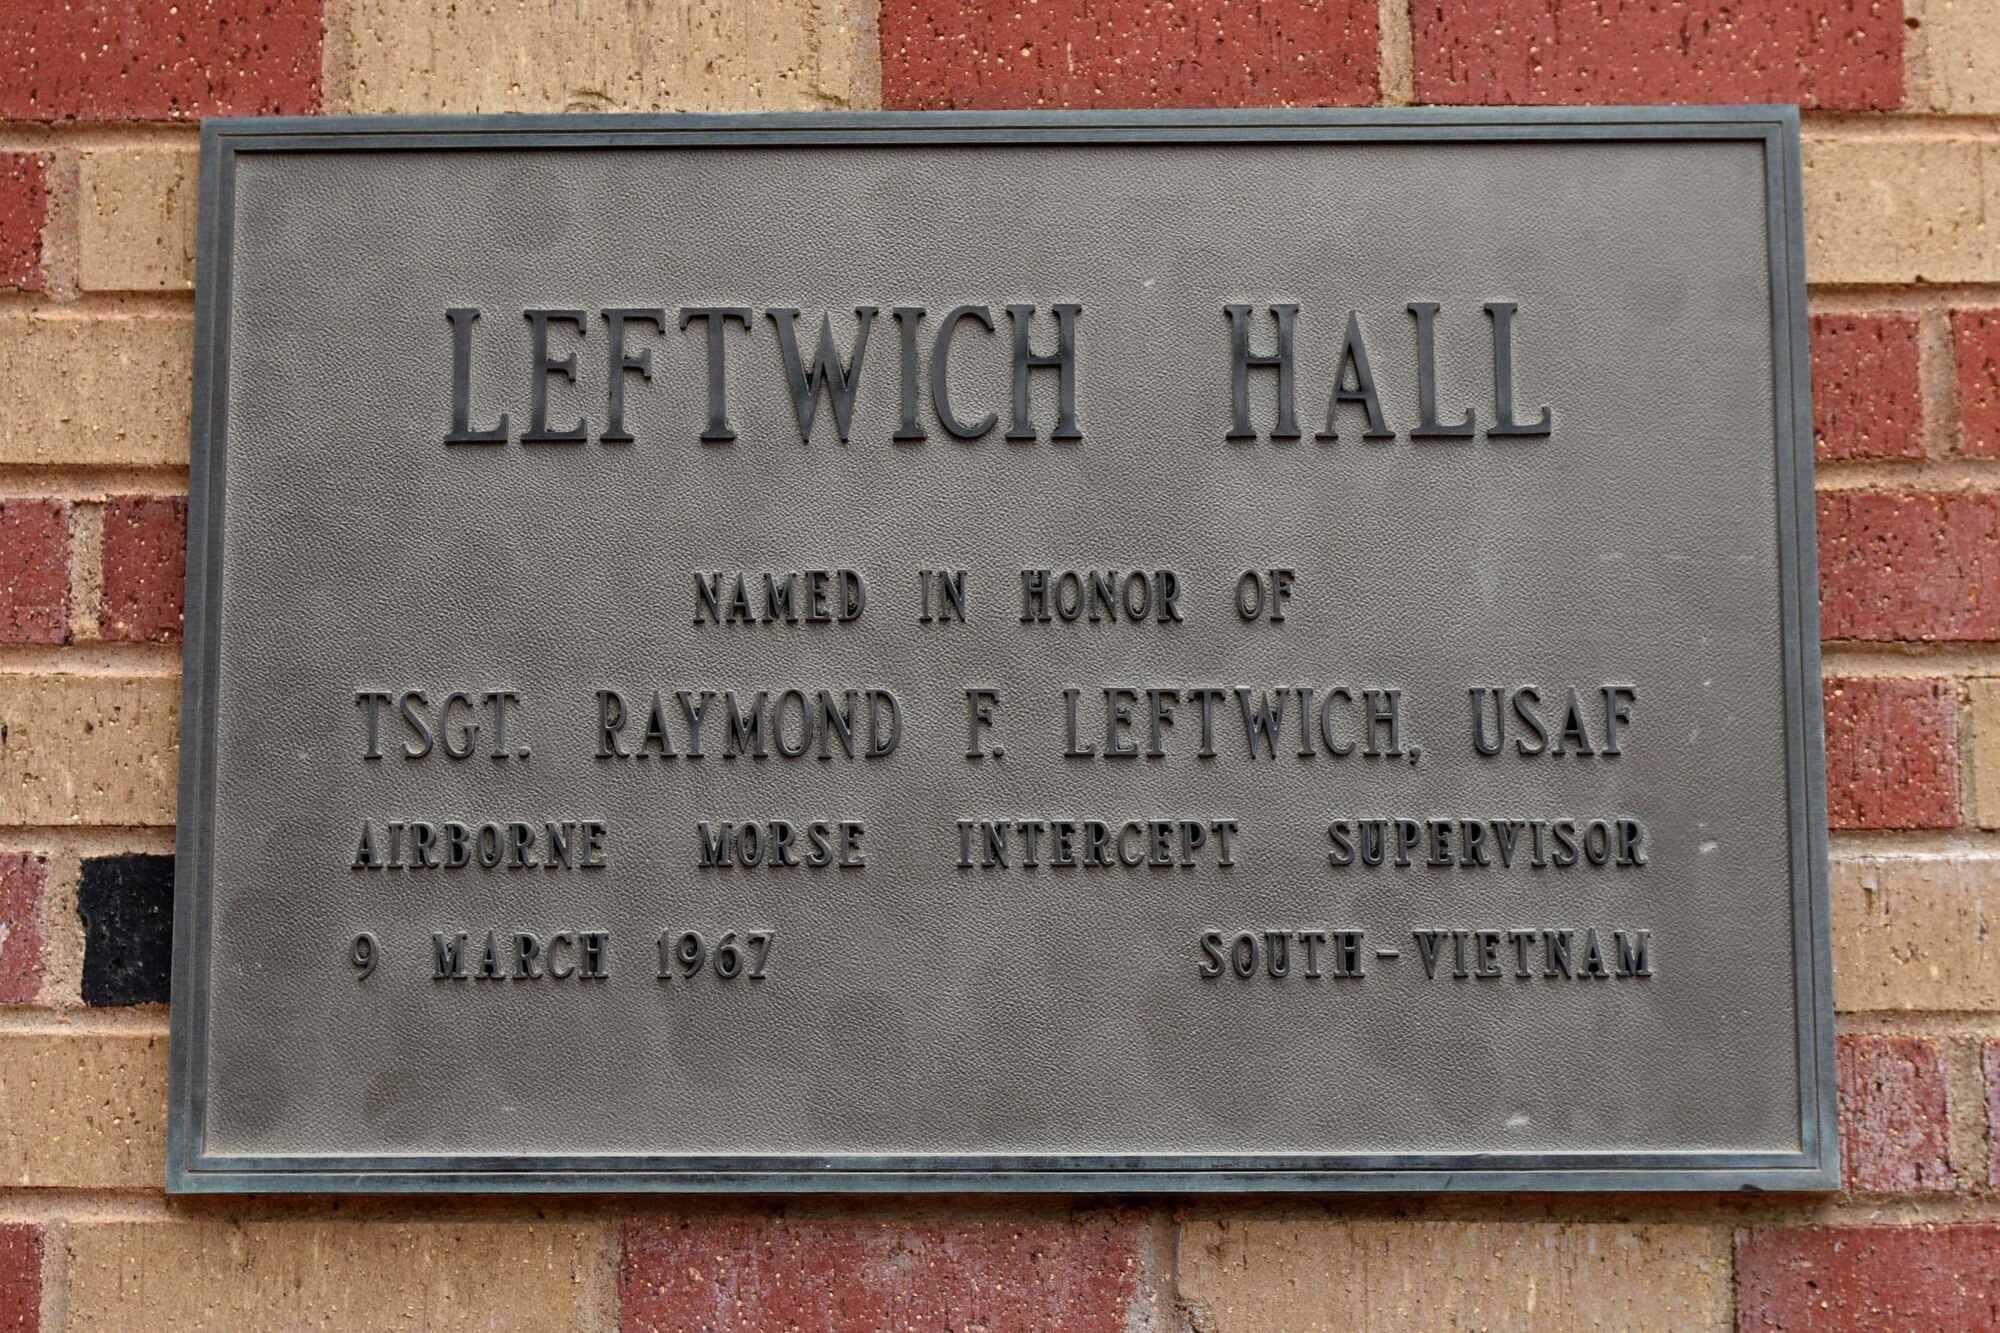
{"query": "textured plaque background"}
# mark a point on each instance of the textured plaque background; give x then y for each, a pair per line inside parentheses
(923, 1024)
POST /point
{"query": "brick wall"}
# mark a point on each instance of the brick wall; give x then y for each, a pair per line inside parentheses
(98, 102)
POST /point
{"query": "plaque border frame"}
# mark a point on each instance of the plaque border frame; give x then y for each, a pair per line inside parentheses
(1816, 1166)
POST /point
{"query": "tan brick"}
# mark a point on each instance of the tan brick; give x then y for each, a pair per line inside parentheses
(1901, 209)
(1916, 932)
(95, 391)
(88, 749)
(601, 55)
(222, 1277)
(83, 1110)
(1962, 54)
(1985, 742)
(1316, 1277)
(136, 217)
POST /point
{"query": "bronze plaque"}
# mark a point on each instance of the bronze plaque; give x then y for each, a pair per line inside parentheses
(1181, 651)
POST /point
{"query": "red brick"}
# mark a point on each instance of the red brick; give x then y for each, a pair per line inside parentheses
(1850, 1279)
(117, 60)
(1992, 1062)
(1891, 754)
(941, 54)
(20, 1278)
(1975, 340)
(1866, 402)
(145, 567)
(1837, 54)
(34, 571)
(24, 877)
(1894, 1132)
(1906, 566)
(915, 1277)
(24, 207)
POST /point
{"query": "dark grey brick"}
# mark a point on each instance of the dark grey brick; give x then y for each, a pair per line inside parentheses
(127, 905)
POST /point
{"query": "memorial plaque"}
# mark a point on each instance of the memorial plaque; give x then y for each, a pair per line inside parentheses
(1183, 651)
